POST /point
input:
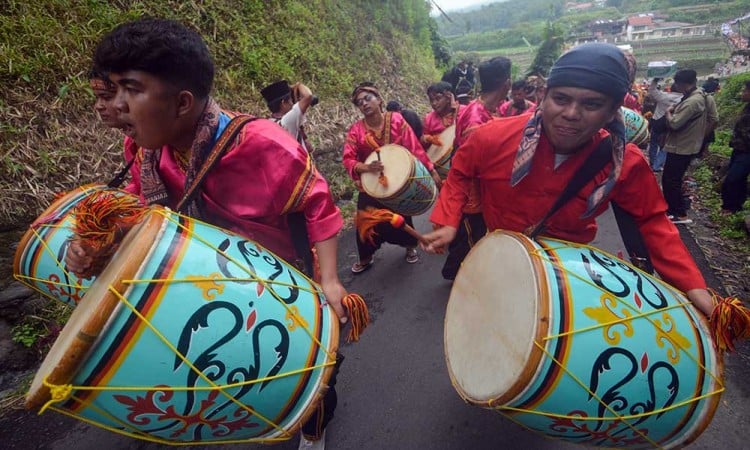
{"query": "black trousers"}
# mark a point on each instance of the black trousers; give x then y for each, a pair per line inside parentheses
(470, 231)
(671, 183)
(384, 231)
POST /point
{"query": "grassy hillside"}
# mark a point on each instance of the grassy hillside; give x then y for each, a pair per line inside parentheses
(50, 140)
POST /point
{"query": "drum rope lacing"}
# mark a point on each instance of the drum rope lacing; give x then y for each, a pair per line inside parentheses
(63, 392)
(541, 254)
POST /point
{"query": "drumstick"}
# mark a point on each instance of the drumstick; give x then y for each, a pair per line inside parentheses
(381, 179)
(367, 219)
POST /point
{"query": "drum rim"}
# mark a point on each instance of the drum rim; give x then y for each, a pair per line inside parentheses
(396, 194)
(30, 233)
(448, 148)
(535, 355)
(67, 360)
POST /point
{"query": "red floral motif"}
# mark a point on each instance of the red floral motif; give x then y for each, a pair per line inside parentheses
(582, 433)
(644, 362)
(62, 291)
(251, 320)
(145, 410)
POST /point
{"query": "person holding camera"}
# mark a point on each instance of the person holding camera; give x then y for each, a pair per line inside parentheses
(288, 105)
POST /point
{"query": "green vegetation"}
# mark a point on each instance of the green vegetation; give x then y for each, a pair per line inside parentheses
(709, 173)
(39, 331)
(50, 140)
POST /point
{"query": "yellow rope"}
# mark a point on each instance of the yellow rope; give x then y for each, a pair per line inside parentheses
(253, 277)
(638, 314)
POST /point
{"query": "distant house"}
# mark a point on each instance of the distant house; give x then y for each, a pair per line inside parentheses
(647, 26)
(577, 7)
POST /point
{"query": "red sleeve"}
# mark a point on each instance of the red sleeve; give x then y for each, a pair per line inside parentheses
(455, 191)
(638, 193)
(350, 157)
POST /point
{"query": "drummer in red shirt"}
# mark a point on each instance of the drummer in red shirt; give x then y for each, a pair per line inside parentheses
(522, 165)
(445, 112)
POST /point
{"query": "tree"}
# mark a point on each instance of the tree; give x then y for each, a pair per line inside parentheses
(549, 50)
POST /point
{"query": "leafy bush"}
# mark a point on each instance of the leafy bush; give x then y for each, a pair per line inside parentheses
(50, 139)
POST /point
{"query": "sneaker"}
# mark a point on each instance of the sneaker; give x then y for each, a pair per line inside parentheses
(680, 220)
(305, 444)
(360, 267)
(411, 255)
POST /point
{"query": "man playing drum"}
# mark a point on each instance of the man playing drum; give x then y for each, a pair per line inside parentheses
(366, 136)
(164, 74)
(522, 165)
(494, 77)
(445, 112)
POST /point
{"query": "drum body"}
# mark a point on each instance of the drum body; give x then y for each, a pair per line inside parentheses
(441, 155)
(193, 334)
(636, 127)
(410, 189)
(578, 345)
(39, 259)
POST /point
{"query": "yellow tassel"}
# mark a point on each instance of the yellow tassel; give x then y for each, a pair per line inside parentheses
(358, 315)
(730, 321)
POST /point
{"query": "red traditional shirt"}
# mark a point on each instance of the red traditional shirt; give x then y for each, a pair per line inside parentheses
(356, 148)
(434, 124)
(474, 115)
(508, 109)
(488, 157)
(265, 175)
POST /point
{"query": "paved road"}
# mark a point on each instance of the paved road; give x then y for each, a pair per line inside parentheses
(394, 389)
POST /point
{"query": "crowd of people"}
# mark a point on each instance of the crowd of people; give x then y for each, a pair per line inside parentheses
(518, 146)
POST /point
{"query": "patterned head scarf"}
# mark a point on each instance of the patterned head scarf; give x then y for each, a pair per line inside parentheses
(598, 67)
(102, 84)
(365, 86)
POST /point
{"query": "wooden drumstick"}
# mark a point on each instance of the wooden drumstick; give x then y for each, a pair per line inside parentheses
(370, 217)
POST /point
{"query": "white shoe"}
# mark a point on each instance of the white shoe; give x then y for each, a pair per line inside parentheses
(320, 444)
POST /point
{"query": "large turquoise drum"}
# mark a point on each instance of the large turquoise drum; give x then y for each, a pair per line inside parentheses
(578, 345)
(40, 254)
(192, 334)
(410, 189)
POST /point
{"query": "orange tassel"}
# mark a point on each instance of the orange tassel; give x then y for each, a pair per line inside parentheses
(370, 140)
(358, 315)
(367, 219)
(316, 265)
(99, 220)
(730, 321)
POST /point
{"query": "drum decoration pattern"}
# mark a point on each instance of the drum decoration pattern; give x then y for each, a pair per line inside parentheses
(410, 189)
(608, 355)
(636, 127)
(39, 258)
(441, 155)
(210, 339)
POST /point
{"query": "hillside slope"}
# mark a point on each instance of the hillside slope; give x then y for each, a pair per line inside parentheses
(50, 140)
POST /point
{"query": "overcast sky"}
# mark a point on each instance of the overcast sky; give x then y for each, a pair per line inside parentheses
(452, 5)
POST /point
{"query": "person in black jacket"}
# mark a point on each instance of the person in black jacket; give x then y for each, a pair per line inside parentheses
(734, 187)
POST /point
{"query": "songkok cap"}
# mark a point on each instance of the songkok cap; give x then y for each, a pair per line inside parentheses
(276, 91)
(494, 72)
(686, 76)
(596, 66)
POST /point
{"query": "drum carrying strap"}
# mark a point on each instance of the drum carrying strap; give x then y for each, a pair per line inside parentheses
(217, 151)
(631, 235)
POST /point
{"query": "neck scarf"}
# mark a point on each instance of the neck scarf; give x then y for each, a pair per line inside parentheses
(532, 132)
(152, 186)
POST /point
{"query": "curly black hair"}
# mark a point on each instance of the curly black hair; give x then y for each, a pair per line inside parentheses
(164, 48)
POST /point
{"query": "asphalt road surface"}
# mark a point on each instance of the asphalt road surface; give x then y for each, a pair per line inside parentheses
(394, 389)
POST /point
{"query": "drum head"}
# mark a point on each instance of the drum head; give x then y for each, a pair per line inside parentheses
(80, 333)
(495, 312)
(437, 152)
(399, 167)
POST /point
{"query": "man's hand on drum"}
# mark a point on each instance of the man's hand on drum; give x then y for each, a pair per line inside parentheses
(79, 258)
(438, 240)
(437, 179)
(335, 292)
(373, 167)
(701, 299)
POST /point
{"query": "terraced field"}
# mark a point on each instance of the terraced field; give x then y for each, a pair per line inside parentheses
(700, 53)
